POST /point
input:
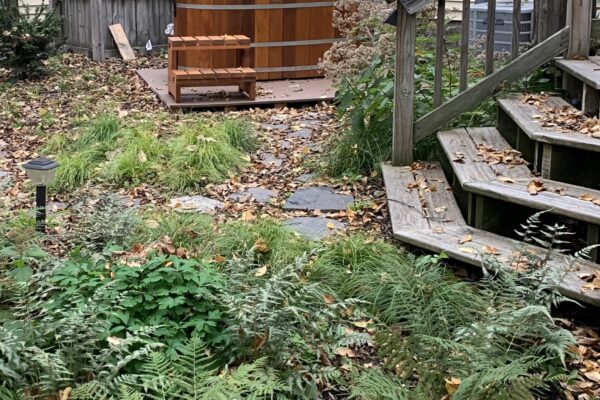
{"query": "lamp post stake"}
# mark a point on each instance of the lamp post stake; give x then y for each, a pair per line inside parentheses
(40, 212)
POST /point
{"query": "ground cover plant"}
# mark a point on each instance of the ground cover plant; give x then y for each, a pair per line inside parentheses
(354, 317)
(202, 152)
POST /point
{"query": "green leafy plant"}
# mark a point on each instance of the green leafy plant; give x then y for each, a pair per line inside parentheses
(241, 134)
(187, 230)
(165, 291)
(26, 41)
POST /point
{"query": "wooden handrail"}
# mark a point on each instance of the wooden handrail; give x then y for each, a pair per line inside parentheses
(544, 52)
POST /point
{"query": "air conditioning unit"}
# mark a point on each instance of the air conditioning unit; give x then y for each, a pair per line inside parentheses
(502, 25)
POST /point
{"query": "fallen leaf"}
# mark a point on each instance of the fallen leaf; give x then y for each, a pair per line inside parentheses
(440, 209)
(345, 352)
(490, 250)
(535, 186)
(328, 299)
(261, 271)
(247, 216)
(452, 385)
(261, 246)
(330, 225)
(505, 179)
(465, 239)
(219, 259)
(468, 250)
(142, 156)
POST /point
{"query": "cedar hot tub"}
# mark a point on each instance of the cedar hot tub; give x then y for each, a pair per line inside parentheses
(288, 36)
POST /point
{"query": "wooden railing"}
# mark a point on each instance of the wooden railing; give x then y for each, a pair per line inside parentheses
(560, 26)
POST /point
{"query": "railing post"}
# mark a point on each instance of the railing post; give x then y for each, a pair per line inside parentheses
(402, 148)
(579, 18)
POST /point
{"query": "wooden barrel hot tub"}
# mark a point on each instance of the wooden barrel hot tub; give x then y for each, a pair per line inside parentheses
(288, 36)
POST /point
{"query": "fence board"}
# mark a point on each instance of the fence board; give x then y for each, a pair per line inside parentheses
(141, 20)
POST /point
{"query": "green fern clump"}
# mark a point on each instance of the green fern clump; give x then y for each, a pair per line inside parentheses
(200, 155)
(193, 374)
(241, 134)
(296, 324)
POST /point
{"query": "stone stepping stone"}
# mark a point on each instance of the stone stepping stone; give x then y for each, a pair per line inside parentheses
(310, 123)
(268, 159)
(55, 206)
(285, 144)
(195, 204)
(275, 127)
(261, 195)
(301, 134)
(315, 228)
(305, 178)
(5, 179)
(318, 198)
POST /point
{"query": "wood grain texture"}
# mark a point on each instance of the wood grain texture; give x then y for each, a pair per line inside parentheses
(585, 70)
(465, 101)
(464, 45)
(523, 115)
(122, 42)
(440, 50)
(447, 241)
(490, 37)
(403, 140)
(405, 206)
(579, 19)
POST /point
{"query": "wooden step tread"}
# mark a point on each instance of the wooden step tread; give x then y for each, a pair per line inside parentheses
(587, 70)
(224, 40)
(484, 164)
(419, 197)
(478, 244)
(216, 73)
(552, 120)
(481, 154)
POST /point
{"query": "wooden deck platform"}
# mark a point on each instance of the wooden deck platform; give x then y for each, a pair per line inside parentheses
(297, 91)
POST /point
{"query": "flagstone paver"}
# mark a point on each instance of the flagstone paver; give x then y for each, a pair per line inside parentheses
(261, 195)
(268, 159)
(195, 204)
(315, 228)
(318, 198)
(275, 127)
(301, 134)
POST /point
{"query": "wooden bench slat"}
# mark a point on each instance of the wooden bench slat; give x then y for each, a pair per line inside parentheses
(248, 72)
(242, 39)
(221, 73)
(235, 72)
(217, 40)
(208, 73)
(229, 39)
(202, 41)
(188, 41)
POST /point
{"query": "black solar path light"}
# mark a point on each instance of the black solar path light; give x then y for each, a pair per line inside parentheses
(40, 171)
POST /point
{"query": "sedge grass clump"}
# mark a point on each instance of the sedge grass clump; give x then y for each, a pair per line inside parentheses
(76, 169)
(272, 243)
(104, 129)
(241, 134)
(137, 158)
(200, 155)
(187, 230)
(57, 144)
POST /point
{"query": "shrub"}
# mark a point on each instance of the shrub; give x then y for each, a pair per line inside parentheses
(165, 291)
(296, 324)
(200, 155)
(26, 41)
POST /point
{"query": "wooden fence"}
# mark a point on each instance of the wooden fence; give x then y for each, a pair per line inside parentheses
(86, 24)
(557, 32)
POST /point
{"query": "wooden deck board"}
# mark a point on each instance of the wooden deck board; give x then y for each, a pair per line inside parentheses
(491, 137)
(463, 156)
(440, 205)
(404, 204)
(269, 92)
(472, 252)
(569, 204)
(523, 115)
(587, 70)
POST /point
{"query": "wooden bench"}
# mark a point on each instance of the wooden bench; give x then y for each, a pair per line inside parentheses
(244, 77)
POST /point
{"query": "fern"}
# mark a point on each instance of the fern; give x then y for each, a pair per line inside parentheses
(193, 375)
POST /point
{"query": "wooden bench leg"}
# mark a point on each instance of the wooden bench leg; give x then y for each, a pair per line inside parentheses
(252, 90)
(177, 94)
(591, 101)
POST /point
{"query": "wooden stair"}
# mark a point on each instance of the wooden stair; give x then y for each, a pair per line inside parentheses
(425, 214)
(554, 135)
(581, 82)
